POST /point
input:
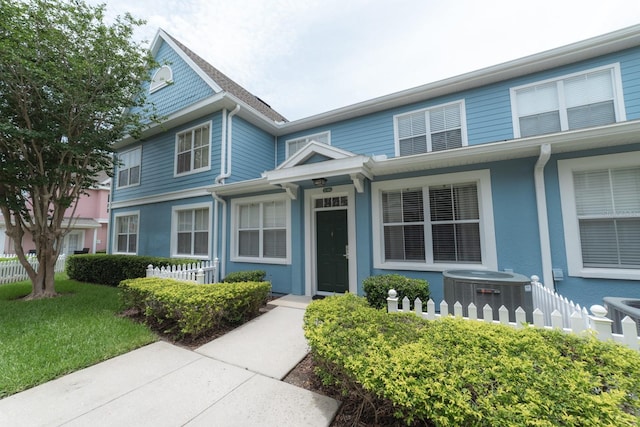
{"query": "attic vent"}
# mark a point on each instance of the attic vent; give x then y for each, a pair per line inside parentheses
(162, 77)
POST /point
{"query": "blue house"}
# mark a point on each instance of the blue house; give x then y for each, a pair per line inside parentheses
(531, 166)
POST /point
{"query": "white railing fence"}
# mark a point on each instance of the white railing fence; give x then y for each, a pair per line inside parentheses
(579, 320)
(549, 301)
(12, 271)
(198, 272)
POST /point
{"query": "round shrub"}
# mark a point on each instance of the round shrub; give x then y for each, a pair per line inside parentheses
(377, 289)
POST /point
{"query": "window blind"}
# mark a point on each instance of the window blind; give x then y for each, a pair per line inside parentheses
(608, 209)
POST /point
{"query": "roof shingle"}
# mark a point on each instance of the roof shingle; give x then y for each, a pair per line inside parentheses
(230, 86)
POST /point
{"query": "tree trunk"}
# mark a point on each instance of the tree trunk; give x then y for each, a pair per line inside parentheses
(43, 285)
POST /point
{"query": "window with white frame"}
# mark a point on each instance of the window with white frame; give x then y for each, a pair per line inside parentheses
(261, 231)
(576, 101)
(433, 129)
(161, 78)
(192, 149)
(126, 233)
(601, 214)
(294, 145)
(434, 222)
(129, 168)
(191, 227)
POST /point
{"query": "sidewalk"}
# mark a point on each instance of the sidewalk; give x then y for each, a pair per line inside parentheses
(231, 381)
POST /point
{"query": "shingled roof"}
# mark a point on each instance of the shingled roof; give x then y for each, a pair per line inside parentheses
(229, 86)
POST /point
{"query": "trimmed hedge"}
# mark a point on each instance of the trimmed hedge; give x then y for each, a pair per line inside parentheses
(113, 269)
(183, 309)
(455, 372)
(245, 276)
(377, 289)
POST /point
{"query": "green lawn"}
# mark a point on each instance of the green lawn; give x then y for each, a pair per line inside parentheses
(44, 339)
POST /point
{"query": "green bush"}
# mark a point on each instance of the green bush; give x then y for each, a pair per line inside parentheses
(112, 269)
(455, 372)
(245, 276)
(183, 309)
(377, 289)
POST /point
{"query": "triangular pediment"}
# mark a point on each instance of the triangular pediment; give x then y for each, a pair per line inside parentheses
(314, 152)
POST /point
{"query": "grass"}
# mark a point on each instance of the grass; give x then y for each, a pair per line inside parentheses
(44, 339)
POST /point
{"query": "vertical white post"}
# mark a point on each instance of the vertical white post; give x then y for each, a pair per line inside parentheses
(600, 323)
(630, 332)
(216, 261)
(392, 301)
(149, 270)
(200, 276)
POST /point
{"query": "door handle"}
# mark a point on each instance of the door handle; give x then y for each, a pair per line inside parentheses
(346, 252)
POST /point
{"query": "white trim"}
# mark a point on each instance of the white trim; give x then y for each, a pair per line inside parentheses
(618, 96)
(463, 125)
(485, 207)
(310, 138)
(155, 86)
(235, 203)
(164, 197)
(174, 229)
(114, 232)
(573, 248)
(191, 171)
(312, 148)
(338, 167)
(310, 195)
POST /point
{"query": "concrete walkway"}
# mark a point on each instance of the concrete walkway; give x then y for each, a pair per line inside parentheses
(231, 381)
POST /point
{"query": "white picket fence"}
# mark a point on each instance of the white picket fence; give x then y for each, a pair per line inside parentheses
(12, 271)
(198, 272)
(579, 320)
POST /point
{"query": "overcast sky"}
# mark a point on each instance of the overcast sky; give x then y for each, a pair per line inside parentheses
(305, 57)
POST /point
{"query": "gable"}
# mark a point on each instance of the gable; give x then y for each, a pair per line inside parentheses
(187, 86)
(314, 152)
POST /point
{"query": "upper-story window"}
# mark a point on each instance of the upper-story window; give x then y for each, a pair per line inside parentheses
(129, 168)
(294, 145)
(161, 78)
(580, 100)
(433, 129)
(192, 149)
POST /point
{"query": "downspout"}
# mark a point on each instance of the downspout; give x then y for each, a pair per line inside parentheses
(543, 220)
(220, 272)
(225, 172)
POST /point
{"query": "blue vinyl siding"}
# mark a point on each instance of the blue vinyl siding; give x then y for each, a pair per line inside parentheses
(187, 88)
(155, 225)
(488, 110)
(158, 163)
(253, 151)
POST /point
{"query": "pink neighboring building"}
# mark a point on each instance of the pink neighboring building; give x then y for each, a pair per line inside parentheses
(88, 231)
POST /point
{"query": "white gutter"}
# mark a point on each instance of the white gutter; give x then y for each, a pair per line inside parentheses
(543, 221)
(225, 172)
(220, 271)
(226, 146)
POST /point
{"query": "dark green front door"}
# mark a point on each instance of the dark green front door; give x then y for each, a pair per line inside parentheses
(331, 250)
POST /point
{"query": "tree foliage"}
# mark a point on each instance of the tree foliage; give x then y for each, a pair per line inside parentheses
(66, 77)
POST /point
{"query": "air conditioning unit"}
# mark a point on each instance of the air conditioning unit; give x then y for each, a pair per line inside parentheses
(618, 308)
(495, 288)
